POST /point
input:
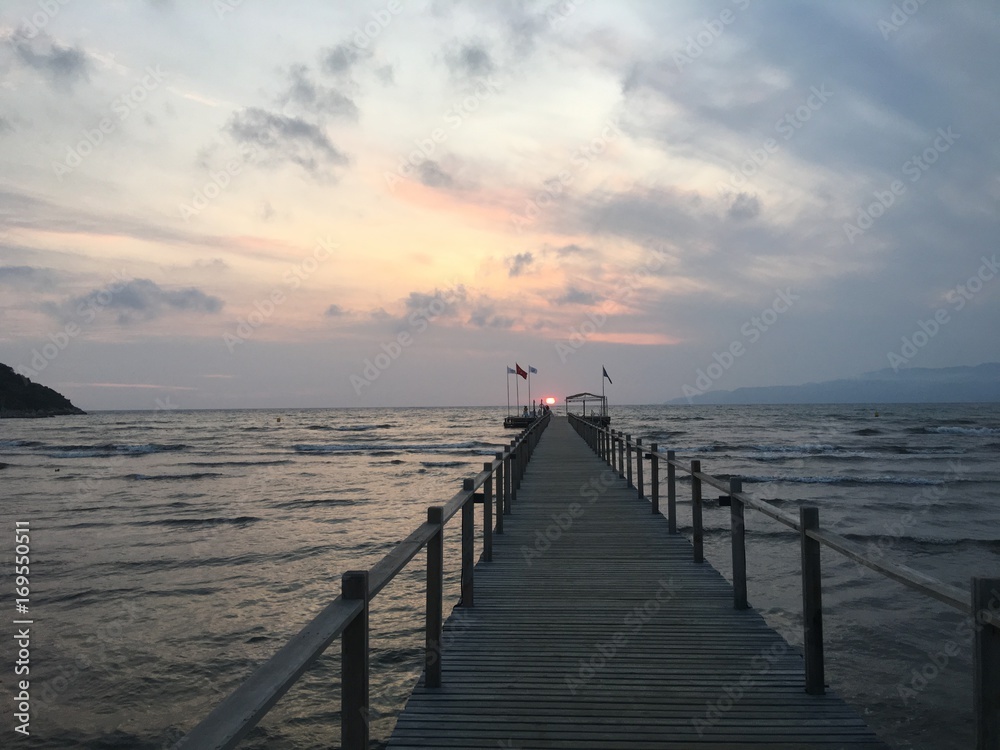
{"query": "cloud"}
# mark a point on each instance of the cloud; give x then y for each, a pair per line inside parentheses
(516, 264)
(340, 60)
(63, 66)
(137, 300)
(744, 206)
(437, 303)
(575, 296)
(334, 311)
(315, 98)
(470, 60)
(290, 139)
(431, 174)
(567, 251)
(27, 277)
(484, 316)
(5, 126)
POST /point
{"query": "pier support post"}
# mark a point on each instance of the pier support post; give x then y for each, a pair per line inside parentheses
(488, 513)
(986, 663)
(501, 489)
(435, 587)
(639, 458)
(628, 463)
(738, 529)
(671, 492)
(697, 532)
(812, 602)
(468, 545)
(654, 477)
(354, 666)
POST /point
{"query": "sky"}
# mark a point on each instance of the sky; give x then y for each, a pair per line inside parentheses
(225, 204)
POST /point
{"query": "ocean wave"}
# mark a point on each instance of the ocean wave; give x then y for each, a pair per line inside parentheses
(218, 464)
(351, 427)
(845, 481)
(952, 430)
(20, 444)
(443, 464)
(476, 446)
(212, 521)
(173, 477)
(110, 449)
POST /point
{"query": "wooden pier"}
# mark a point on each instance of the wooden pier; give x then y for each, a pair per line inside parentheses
(589, 623)
(594, 628)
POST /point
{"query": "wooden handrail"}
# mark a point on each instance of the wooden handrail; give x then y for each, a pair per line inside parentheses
(982, 604)
(346, 617)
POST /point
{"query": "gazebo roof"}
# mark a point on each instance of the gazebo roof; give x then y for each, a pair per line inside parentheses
(583, 397)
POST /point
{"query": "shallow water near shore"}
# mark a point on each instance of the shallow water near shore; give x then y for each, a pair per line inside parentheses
(174, 551)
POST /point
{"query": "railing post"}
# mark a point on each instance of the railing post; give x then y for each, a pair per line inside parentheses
(468, 545)
(614, 450)
(671, 492)
(488, 513)
(621, 454)
(986, 664)
(698, 533)
(501, 489)
(738, 530)
(654, 477)
(354, 666)
(435, 586)
(509, 479)
(639, 485)
(812, 602)
(628, 452)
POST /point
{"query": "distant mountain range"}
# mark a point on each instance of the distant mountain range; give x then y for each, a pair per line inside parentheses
(907, 385)
(19, 397)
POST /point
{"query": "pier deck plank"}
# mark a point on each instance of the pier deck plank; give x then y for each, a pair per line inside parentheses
(611, 638)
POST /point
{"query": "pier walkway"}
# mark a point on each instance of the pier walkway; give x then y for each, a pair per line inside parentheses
(593, 629)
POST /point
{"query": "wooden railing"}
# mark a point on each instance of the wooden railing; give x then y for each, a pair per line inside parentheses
(982, 604)
(346, 617)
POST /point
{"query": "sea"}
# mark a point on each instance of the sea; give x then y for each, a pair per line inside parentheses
(171, 552)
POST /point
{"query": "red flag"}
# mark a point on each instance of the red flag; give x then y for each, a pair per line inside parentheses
(521, 372)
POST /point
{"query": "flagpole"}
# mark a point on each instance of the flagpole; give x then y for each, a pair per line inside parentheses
(604, 400)
(517, 388)
(508, 389)
(529, 385)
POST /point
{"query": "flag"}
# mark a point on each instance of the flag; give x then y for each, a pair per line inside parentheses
(520, 372)
(606, 375)
(510, 370)
(532, 370)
